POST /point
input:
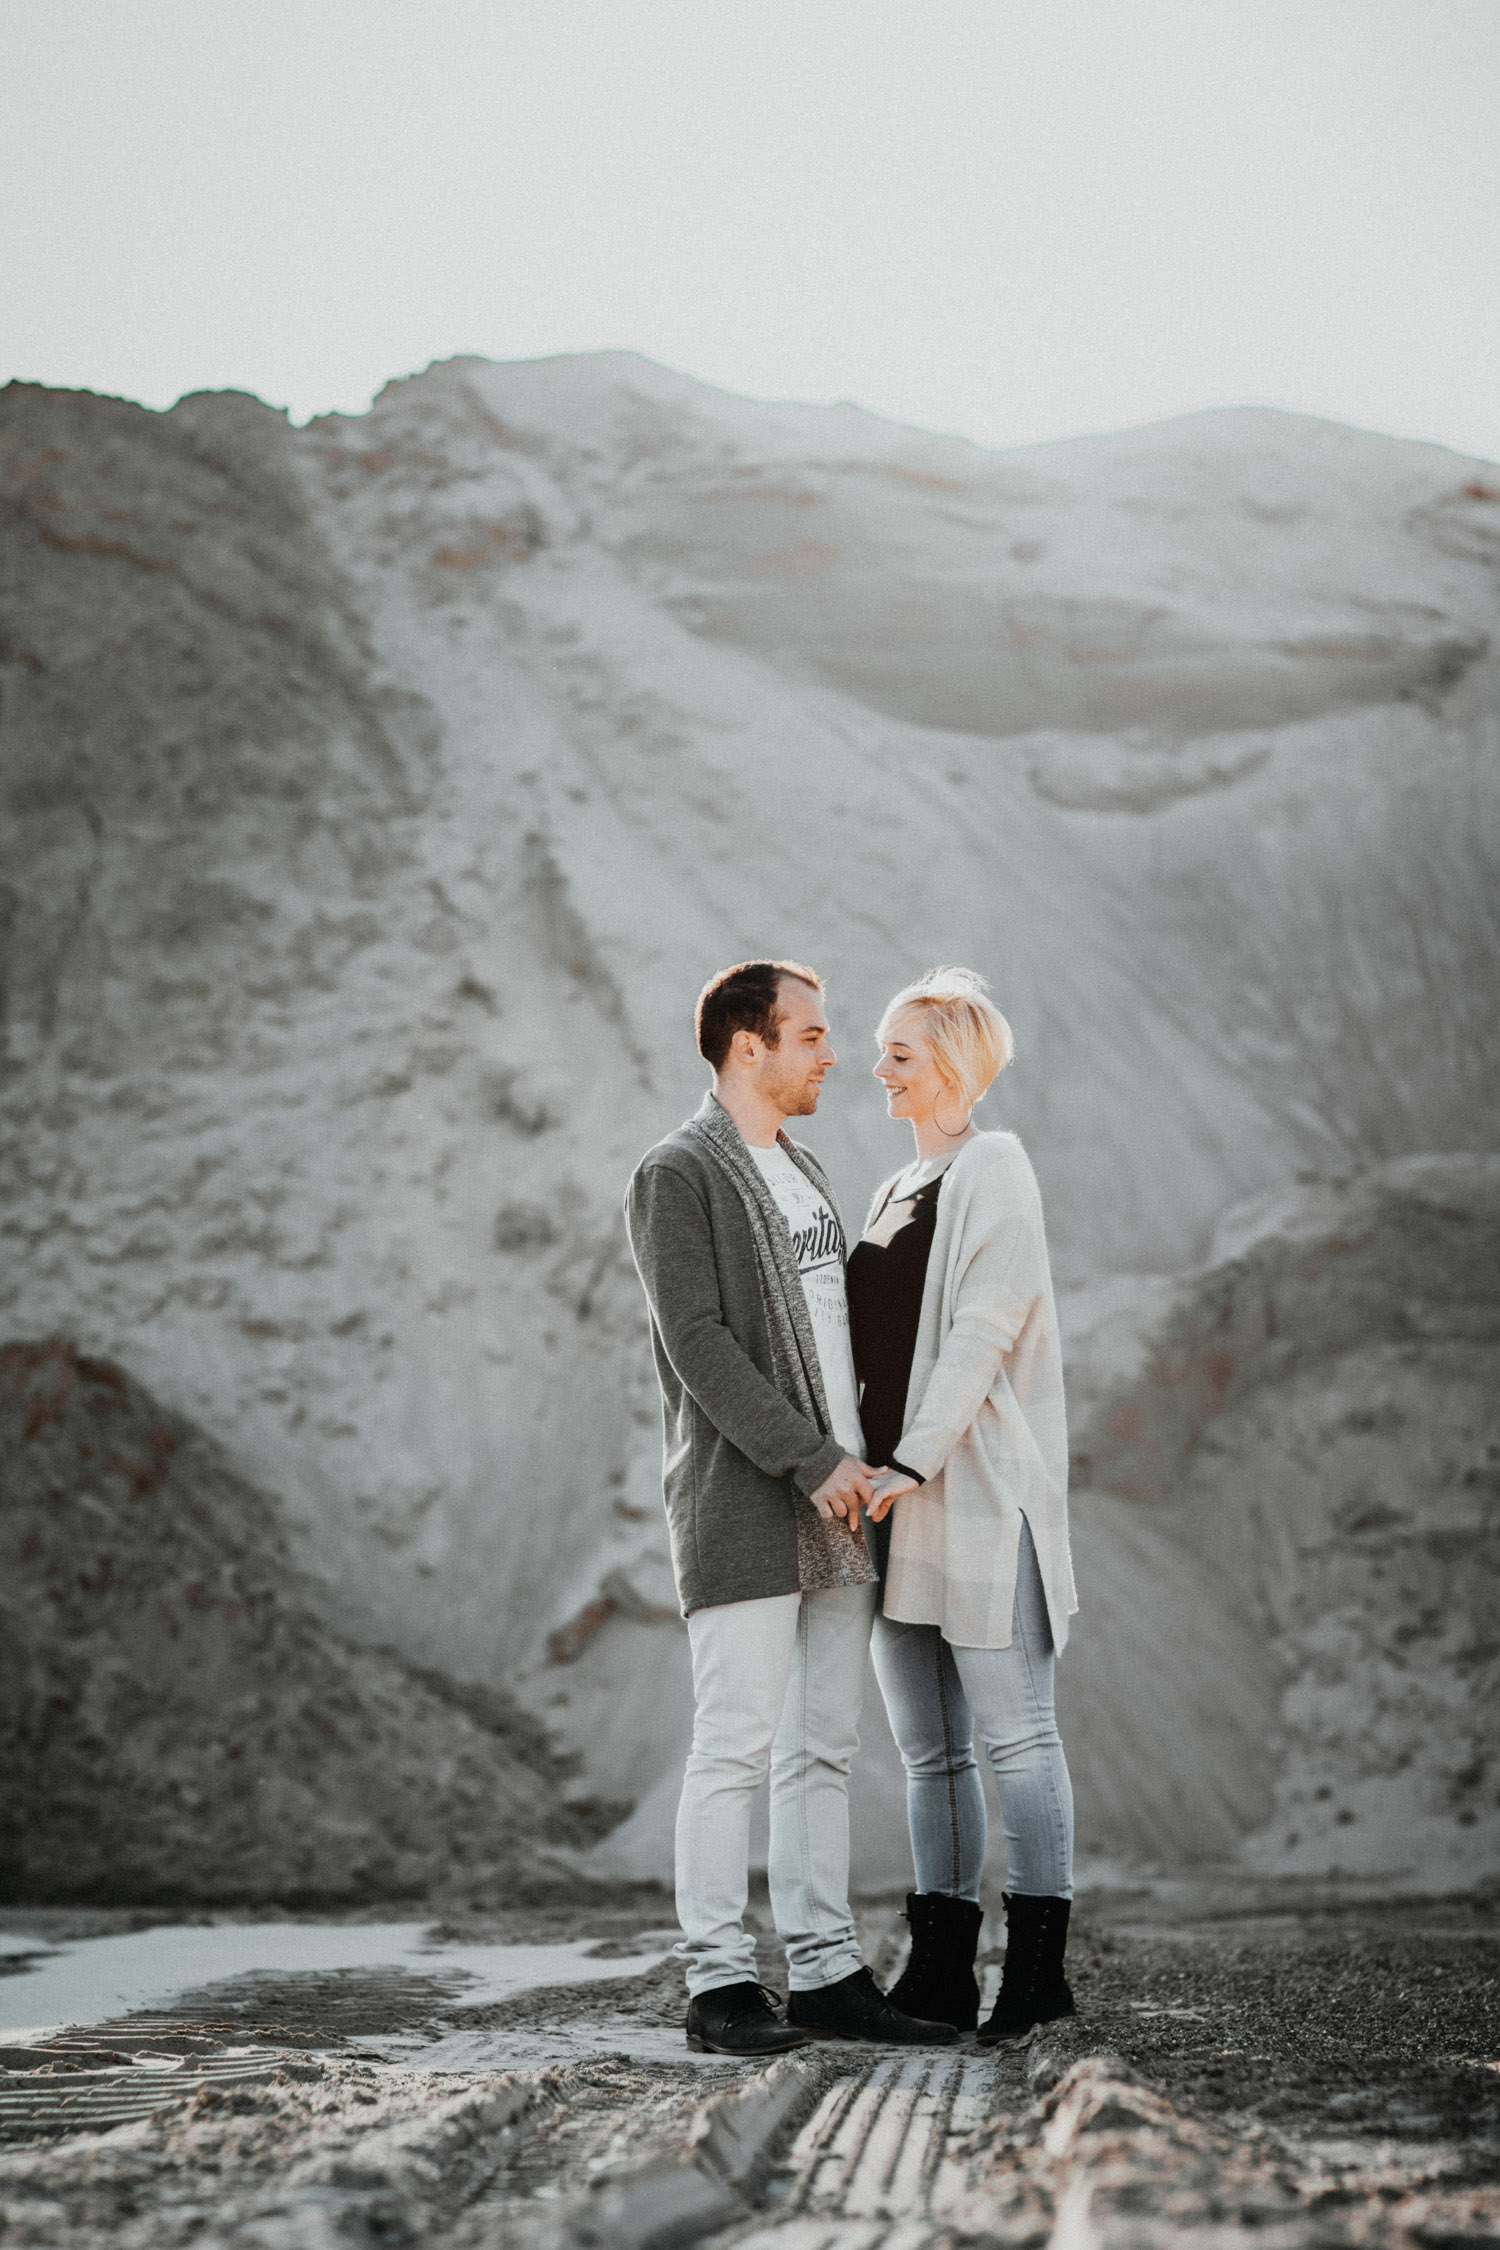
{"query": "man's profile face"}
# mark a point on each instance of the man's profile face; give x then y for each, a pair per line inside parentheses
(791, 1073)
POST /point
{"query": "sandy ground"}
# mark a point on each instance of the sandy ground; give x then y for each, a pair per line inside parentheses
(1307, 2063)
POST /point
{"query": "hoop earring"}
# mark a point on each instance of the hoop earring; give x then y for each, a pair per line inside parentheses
(958, 1135)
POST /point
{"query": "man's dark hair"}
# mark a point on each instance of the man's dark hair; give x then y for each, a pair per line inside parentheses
(745, 998)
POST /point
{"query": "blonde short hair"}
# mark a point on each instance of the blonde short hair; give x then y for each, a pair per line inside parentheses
(971, 1041)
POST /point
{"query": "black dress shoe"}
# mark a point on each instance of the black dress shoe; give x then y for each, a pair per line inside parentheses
(738, 2019)
(856, 2008)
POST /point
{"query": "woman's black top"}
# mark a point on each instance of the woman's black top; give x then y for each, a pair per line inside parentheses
(887, 1274)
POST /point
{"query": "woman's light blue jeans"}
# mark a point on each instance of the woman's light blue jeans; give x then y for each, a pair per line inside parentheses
(937, 1698)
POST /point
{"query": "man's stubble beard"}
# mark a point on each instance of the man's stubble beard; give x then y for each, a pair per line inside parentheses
(794, 1094)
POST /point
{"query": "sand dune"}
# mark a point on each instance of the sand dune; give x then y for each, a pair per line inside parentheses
(377, 795)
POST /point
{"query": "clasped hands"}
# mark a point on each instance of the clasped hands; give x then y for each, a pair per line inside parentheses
(854, 1485)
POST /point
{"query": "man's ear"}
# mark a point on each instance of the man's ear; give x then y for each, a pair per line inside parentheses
(744, 1046)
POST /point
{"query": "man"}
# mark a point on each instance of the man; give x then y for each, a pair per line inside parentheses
(739, 1245)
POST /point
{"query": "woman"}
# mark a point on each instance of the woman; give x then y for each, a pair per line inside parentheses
(956, 1346)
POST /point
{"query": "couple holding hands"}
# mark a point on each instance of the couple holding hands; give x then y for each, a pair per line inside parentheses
(860, 1441)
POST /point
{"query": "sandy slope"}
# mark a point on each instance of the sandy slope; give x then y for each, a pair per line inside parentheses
(1315, 1418)
(378, 794)
(176, 1722)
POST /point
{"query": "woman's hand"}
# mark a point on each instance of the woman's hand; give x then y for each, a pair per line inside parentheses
(844, 1490)
(891, 1487)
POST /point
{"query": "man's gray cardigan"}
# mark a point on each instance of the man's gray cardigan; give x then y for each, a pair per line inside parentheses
(734, 1446)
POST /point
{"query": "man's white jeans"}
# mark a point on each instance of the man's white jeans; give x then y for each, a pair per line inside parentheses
(776, 1683)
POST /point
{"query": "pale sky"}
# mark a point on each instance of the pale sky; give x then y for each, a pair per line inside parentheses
(1017, 219)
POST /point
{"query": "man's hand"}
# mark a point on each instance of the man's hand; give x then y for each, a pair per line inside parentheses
(888, 1491)
(846, 1491)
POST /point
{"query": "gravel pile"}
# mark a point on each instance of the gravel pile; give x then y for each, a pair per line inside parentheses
(176, 1722)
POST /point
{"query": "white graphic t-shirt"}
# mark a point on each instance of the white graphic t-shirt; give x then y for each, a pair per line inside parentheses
(815, 1239)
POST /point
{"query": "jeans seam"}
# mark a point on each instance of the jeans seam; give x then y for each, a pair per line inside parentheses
(953, 1820)
(1054, 1745)
(804, 1828)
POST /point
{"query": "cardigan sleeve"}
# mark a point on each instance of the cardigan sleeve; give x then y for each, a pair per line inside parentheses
(672, 1243)
(994, 1296)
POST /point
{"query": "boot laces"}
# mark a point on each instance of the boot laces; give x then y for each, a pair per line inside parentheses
(758, 1997)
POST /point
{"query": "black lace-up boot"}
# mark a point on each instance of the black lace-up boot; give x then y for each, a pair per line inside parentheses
(739, 2019)
(1033, 1988)
(856, 2008)
(938, 1982)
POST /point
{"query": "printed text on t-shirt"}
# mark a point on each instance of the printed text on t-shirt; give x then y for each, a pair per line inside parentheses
(816, 1244)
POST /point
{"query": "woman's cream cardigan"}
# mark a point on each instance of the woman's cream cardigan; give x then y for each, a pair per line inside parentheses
(985, 1423)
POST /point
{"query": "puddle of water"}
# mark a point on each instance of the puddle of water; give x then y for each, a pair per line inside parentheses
(94, 1980)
